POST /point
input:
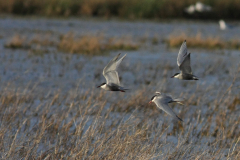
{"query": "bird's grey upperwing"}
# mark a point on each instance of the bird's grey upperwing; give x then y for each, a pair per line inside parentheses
(185, 67)
(161, 103)
(110, 73)
(166, 98)
(182, 54)
(112, 77)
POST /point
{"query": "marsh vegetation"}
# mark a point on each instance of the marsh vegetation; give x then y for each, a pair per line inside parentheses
(131, 9)
(51, 109)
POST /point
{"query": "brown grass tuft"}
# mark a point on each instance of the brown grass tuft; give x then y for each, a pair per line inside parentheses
(18, 41)
(86, 44)
(198, 41)
(43, 40)
(92, 45)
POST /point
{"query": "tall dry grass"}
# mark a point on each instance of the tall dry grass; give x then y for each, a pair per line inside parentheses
(80, 125)
(120, 8)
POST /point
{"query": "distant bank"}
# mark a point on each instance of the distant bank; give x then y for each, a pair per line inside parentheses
(129, 9)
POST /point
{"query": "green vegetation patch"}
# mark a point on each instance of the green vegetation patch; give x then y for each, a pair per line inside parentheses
(120, 8)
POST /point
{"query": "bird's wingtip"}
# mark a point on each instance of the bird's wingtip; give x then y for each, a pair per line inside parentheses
(195, 78)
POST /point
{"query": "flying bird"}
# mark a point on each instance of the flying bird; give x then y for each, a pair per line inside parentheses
(183, 61)
(111, 75)
(162, 100)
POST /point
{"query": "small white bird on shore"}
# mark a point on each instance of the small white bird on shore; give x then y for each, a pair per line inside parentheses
(224, 26)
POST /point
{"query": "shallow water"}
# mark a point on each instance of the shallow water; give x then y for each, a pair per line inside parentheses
(145, 66)
(149, 67)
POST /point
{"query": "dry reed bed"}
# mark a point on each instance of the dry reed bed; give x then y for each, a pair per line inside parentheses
(82, 125)
(120, 8)
(198, 41)
(99, 44)
(16, 42)
(95, 44)
(87, 44)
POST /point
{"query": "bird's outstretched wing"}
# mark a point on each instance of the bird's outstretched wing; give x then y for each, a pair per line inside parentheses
(110, 73)
(185, 67)
(183, 59)
(162, 103)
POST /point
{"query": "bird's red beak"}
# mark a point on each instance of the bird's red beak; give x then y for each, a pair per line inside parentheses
(98, 86)
(172, 77)
(150, 102)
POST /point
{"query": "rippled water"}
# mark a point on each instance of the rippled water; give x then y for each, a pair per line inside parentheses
(148, 65)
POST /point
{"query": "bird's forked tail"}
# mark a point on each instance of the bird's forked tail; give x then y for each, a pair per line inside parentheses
(179, 100)
(123, 89)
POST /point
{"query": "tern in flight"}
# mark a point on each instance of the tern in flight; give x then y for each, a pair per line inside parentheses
(111, 75)
(183, 61)
(162, 100)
